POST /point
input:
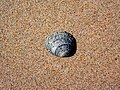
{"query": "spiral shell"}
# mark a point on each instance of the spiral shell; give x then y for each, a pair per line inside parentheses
(61, 44)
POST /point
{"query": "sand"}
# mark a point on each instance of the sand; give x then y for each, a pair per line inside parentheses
(25, 63)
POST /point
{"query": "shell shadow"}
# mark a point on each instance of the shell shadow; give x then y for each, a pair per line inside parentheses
(73, 48)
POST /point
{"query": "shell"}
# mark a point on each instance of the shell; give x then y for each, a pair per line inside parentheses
(61, 44)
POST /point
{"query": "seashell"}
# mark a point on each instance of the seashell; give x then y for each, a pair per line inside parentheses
(61, 44)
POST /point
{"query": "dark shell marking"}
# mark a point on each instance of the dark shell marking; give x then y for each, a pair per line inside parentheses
(61, 44)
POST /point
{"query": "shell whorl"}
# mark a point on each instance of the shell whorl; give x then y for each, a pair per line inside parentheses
(61, 44)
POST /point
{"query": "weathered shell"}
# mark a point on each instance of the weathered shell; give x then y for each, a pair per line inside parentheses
(61, 44)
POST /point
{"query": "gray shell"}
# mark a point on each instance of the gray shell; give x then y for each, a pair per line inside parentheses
(61, 44)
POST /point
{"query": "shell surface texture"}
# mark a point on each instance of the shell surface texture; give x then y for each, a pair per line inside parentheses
(61, 44)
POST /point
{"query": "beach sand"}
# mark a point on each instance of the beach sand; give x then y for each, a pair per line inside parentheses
(25, 63)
